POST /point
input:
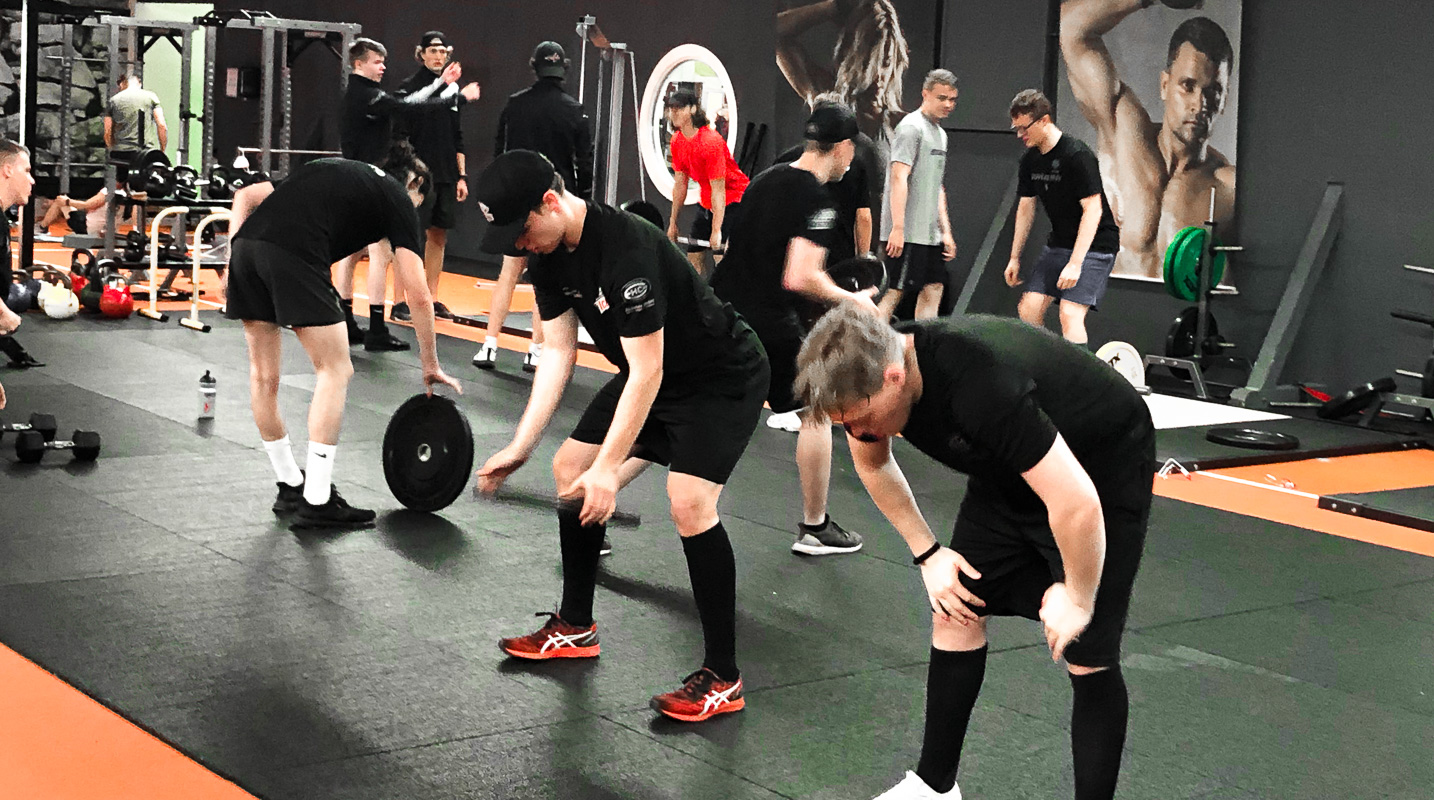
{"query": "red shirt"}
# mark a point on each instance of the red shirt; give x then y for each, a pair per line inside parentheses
(705, 158)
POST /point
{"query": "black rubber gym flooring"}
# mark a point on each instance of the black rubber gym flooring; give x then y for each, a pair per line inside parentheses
(1264, 661)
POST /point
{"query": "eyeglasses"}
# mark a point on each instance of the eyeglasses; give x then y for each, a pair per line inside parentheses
(869, 438)
(1020, 130)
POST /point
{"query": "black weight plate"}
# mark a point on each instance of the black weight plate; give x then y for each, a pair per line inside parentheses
(645, 210)
(859, 273)
(1180, 340)
(427, 453)
(1355, 400)
(1252, 439)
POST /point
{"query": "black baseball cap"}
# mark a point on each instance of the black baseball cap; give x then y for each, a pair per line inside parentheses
(831, 123)
(431, 39)
(550, 60)
(507, 189)
(681, 98)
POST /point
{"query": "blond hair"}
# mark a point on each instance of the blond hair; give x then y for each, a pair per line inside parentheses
(844, 359)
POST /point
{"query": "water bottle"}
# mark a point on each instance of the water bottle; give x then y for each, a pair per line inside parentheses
(208, 390)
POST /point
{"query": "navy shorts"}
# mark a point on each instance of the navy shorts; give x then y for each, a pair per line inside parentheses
(1088, 291)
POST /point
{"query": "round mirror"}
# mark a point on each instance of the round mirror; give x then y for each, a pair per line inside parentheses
(693, 68)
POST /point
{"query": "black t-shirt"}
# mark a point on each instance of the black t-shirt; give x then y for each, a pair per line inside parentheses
(1062, 178)
(850, 194)
(333, 207)
(625, 280)
(6, 274)
(434, 130)
(782, 204)
(996, 391)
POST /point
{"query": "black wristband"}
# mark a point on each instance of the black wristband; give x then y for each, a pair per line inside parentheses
(921, 559)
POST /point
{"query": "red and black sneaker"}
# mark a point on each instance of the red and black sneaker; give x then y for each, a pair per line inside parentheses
(556, 639)
(703, 695)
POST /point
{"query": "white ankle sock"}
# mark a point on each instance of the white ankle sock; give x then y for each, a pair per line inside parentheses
(282, 457)
(320, 473)
(491, 341)
(535, 350)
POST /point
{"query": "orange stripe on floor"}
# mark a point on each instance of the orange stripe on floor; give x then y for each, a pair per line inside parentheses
(1372, 472)
(1288, 493)
(58, 744)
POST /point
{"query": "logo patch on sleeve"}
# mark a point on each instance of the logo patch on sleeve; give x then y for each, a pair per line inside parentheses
(824, 219)
(635, 289)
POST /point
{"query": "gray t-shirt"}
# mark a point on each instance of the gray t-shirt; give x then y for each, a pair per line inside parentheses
(921, 143)
(126, 108)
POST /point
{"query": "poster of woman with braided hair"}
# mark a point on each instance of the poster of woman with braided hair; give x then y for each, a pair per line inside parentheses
(868, 59)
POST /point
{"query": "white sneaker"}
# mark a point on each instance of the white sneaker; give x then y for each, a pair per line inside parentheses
(530, 361)
(487, 357)
(790, 422)
(913, 788)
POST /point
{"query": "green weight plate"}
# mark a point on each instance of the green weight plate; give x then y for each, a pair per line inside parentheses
(1185, 266)
(1168, 271)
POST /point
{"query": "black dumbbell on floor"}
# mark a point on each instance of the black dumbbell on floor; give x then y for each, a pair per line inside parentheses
(44, 424)
(31, 446)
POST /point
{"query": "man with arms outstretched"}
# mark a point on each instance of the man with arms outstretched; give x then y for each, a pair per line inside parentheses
(1158, 174)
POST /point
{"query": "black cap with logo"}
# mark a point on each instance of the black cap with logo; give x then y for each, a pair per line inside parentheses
(831, 123)
(433, 39)
(508, 188)
(550, 60)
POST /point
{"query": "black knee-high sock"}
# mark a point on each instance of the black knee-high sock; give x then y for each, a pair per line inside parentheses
(580, 560)
(713, 570)
(12, 348)
(375, 319)
(1098, 718)
(952, 682)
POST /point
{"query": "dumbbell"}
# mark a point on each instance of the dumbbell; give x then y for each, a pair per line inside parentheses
(31, 446)
(44, 424)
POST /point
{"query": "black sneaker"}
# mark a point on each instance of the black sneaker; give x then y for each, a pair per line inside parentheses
(289, 498)
(25, 361)
(357, 335)
(441, 311)
(384, 342)
(336, 513)
(606, 549)
(401, 313)
(831, 539)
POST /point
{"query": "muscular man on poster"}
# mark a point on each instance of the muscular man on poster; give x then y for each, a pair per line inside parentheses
(1157, 173)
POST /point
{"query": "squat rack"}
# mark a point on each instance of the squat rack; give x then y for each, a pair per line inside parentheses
(338, 36)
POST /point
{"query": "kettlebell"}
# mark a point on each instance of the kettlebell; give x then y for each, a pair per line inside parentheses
(116, 301)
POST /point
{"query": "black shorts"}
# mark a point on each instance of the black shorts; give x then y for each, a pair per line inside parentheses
(270, 284)
(702, 227)
(1018, 561)
(781, 337)
(918, 265)
(702, 432)
(440, 207)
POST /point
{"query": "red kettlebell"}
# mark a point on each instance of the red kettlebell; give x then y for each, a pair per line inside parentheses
(77, 282)
(116, 301)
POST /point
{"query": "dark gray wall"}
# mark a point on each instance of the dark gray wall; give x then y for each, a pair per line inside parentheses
(493, 40)
(1326, 90)
(1330, 90)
